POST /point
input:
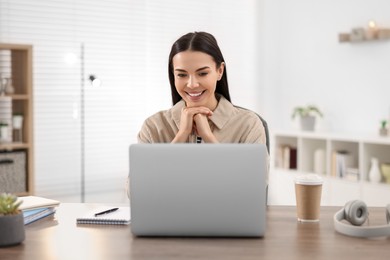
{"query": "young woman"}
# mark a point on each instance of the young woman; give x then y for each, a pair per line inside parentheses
(202, 110)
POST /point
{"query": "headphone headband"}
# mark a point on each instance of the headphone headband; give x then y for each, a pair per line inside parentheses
(358, 231)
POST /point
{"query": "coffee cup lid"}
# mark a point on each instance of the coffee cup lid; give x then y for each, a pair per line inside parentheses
(309, 179)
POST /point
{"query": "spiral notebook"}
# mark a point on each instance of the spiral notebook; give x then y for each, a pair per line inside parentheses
(118, 217)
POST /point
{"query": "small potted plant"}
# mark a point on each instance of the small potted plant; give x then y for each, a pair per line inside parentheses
(383, 129)
(17, 126)
(307, 115)
(11, 221)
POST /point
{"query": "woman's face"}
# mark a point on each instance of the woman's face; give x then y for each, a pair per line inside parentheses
(196, 75)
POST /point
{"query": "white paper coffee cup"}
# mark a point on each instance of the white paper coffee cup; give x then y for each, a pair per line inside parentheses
(308, 190)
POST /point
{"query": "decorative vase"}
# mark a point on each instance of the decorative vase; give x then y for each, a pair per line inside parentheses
(4, 134)
(307, 123)
(375, 174)
(5, 119)
(385, 168)
(12, 229)
(9, 88)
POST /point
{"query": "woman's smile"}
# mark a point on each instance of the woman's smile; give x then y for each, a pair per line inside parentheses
(195, 96)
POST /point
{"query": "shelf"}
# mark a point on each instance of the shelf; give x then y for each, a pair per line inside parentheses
(344, 160)
(20, 97)
(13, 146)
(375, 139)
(371, 33)
(14, 47)
(17, 150)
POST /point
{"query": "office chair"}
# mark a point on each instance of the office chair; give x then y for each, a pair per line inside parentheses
(267, 141)
(266, 133)
(268, 149)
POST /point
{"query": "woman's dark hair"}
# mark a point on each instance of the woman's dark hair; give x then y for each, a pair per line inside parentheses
(203, 42)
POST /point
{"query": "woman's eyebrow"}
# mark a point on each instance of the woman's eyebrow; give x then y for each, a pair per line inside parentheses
(180, 70)
(205, 67)
(202, 68)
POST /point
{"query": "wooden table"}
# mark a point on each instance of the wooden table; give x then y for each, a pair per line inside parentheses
(58, 237)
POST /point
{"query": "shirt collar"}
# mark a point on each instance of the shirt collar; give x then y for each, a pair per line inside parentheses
(220, 117)
(222, 112)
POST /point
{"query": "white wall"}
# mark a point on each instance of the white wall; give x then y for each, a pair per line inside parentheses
(305, 63)
(233, 23)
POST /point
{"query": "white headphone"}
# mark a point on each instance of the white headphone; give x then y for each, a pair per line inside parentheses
(356, 213)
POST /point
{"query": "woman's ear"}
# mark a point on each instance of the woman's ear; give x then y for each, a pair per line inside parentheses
(220, 70)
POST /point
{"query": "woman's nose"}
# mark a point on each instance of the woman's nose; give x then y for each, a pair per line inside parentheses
(192, 82)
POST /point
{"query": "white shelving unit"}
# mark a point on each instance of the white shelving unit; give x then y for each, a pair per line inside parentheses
(18, 170)
(336, 190)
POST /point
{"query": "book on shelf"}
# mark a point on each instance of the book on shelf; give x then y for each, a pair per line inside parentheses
(286, 157)
(343, 165)
(293, 158)
(32, 215)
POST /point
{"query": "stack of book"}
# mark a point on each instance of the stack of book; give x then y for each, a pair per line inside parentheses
(35, 208)
(344, 165)
(286, 157)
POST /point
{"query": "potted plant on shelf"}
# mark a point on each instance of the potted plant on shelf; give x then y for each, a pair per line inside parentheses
(307, 115)
(11, 221)
(17, 125)
(383, 129)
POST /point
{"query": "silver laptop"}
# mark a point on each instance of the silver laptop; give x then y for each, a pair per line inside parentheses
(197, 190)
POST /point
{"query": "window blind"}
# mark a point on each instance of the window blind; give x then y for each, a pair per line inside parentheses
(126, 44)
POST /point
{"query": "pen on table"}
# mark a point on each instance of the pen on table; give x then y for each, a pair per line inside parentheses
(106, 212)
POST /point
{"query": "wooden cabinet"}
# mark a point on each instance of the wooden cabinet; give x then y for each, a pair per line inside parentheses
(17, 153)
(343, 160)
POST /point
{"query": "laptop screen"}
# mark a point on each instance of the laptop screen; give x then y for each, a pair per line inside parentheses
(198, 189)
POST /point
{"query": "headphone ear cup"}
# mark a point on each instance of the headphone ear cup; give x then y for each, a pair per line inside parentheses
(356, 212)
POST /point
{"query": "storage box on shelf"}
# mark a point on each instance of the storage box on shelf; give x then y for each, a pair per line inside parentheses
(344, 161)
(13, 171)
(16, 160)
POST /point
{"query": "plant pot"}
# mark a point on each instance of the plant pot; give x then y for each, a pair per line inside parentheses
(11, 230)
(383, 131)
(307, 123)
(17, 122)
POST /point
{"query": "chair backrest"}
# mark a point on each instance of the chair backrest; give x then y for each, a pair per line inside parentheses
(266, 132)
(267, 142)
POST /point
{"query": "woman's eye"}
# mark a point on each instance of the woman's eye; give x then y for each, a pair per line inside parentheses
(203, 74)
(181, 75)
